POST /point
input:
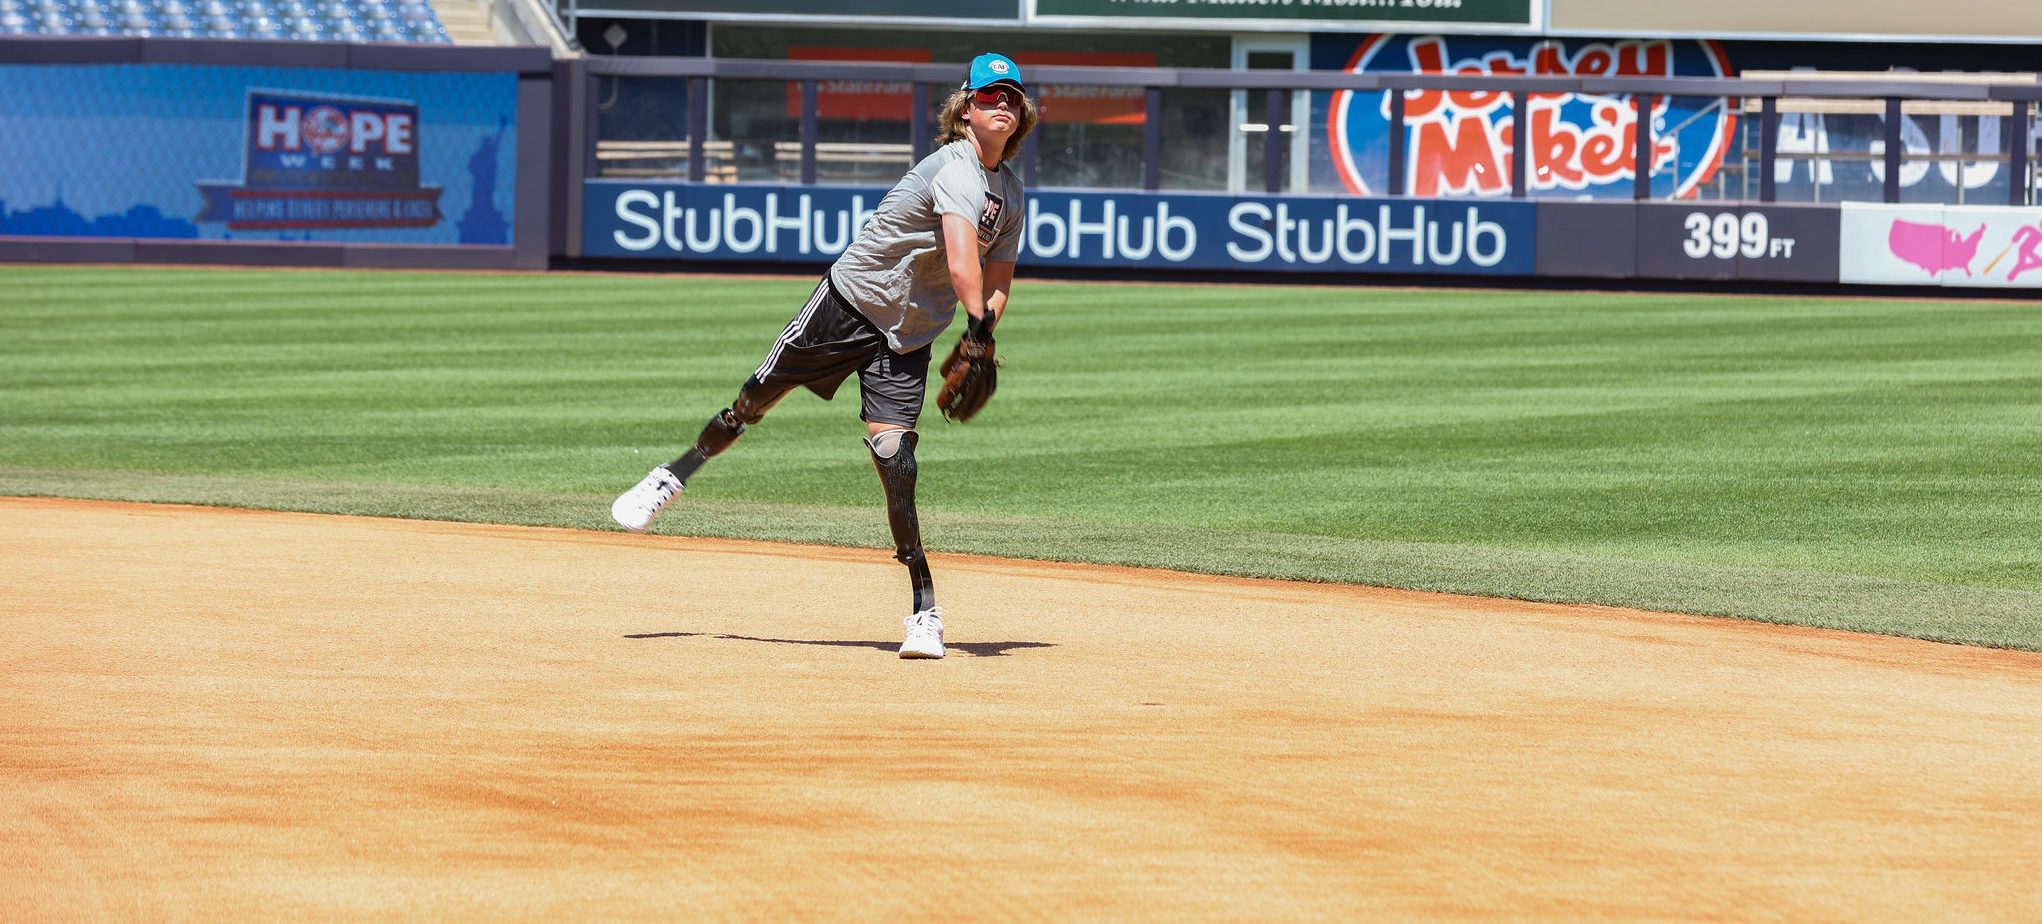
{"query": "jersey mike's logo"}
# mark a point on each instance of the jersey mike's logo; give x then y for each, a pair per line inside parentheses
(1581, 144)
(317, 161)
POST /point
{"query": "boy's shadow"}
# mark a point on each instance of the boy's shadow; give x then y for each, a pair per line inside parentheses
(975, 649)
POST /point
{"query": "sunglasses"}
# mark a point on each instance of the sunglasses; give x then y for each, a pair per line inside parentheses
(991, 96)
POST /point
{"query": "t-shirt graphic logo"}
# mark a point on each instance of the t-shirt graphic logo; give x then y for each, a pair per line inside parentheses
(989, 218)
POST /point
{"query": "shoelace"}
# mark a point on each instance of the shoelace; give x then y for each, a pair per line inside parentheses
(925, 621)
(662, 492)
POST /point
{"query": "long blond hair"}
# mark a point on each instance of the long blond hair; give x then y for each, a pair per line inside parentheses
(956, 128)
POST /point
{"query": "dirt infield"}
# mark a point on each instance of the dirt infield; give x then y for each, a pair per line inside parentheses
(219, 713)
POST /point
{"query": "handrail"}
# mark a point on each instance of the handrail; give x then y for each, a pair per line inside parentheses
(1227, 78)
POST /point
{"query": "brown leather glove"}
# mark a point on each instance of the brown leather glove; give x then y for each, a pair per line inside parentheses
(970, 373)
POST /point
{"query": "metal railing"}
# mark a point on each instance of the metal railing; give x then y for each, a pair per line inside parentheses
(2018, 98)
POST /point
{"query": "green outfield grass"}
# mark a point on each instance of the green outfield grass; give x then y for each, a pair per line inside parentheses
(1860, 463)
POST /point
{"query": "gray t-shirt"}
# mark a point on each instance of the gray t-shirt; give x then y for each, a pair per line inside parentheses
(895, 272)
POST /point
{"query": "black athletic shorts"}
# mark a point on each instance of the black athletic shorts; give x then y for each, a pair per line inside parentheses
(828, 341)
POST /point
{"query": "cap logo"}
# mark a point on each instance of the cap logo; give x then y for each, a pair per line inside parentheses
(997, 67)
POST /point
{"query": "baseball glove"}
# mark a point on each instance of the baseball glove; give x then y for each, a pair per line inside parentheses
(970, 373)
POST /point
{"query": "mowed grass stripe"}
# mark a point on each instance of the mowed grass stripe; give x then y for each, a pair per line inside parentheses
(1529, 444)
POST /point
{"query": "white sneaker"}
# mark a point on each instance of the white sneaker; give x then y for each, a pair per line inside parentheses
(925, 634)
(634, 509)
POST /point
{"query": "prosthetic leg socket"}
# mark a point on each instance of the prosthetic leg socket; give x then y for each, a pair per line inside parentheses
(893, 454)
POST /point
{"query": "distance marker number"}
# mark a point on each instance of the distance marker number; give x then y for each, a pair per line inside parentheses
(1726, 235)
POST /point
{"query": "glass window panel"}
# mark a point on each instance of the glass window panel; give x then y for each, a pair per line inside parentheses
(1194, 139)
(641, 126)
(862, 131)
(1090, 137)
(753, 122)
(1255, 127)
(1701, 163)
(2028, 178)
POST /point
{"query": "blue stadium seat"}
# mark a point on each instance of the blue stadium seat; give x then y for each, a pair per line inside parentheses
(262, 26)
(309, 20)
(94, 21)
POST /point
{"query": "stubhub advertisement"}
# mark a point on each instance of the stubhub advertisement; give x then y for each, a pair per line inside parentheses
(799, 224)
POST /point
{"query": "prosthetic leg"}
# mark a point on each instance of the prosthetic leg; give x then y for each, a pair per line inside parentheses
(634, 509)
(893, 454)
(753, 401)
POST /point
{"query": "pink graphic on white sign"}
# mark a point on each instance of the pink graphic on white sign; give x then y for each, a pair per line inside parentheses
(2029, 239)
(1934, 248)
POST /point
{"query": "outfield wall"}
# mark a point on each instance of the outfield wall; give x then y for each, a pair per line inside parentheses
(276, 152)
(315, 154)
(736, 224)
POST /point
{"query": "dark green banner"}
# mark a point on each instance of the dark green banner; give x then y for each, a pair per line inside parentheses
(836, 10)
(1448, 12)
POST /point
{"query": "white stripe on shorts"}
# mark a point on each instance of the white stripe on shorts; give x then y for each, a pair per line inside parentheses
(793, 328)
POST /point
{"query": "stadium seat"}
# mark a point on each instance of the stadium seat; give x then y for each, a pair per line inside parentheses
(307, 20)
(93, 21)
(51, 22)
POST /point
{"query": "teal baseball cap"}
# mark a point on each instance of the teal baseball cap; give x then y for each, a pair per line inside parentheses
(988, 69)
